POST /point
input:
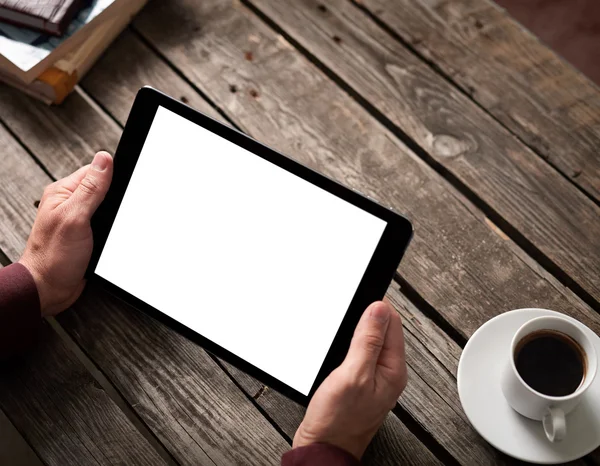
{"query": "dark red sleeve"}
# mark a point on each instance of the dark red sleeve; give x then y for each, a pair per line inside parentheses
(318, 454)
(19, 310)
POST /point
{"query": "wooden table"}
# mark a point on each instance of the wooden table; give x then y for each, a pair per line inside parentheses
(445, 109)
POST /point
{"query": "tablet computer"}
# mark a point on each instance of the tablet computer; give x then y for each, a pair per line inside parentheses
(262, 261)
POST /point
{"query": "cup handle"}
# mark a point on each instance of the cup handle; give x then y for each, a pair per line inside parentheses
(555, 425)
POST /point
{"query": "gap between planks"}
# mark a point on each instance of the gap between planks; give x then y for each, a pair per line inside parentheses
(512, 232)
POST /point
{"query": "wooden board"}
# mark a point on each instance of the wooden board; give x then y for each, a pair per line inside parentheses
(143, 68)
(181, 424)
(391, 444)
(157, 408)
(543, 100)
(179, 391)
(375, 128)
(430, 398)
(458, 261)
(64, 414)
(427, 332)
(505, 175)
(48, 395)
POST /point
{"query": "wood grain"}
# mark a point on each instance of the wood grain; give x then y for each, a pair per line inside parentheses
(506, 175)
(431, 397)
(448, 198)
(64, 414)
(48, 395)
(395, 441)
(543, 100)
(232, 431)
(185, 398)
(250, 112)
(463, 268)
(143, 69)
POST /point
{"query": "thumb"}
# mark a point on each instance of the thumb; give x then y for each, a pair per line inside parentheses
(94, 185)
(369, 337)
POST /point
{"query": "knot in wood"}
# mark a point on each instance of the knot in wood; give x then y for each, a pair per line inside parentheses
(448, 146)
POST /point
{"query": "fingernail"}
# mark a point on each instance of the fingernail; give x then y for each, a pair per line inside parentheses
(100, 162)
(380, 312)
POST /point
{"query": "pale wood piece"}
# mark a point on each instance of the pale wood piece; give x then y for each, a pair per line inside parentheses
(542, 99)
(549, 211)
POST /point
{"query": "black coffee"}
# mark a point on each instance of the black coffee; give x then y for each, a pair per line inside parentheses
(550, 362)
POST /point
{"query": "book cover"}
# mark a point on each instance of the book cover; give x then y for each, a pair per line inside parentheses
(25, 53)
(55, 83)
(48, 16)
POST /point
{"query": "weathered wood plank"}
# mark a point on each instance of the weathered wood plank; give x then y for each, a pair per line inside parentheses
(488, 234)
(64, 414)
(543, 100)
(430, 397)
(459, 439)
(506, 175)
(395, 441)
(158, 385)
(49, 396)
(456, 261)
(178, 390)
(485, 233)
(143, 69)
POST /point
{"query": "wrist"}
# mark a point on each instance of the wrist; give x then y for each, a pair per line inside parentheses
(40, 284)
(353, 446)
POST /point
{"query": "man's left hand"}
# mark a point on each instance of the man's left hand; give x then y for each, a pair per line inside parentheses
(60, 244)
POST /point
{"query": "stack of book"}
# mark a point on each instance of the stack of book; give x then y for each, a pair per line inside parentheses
(47, 46)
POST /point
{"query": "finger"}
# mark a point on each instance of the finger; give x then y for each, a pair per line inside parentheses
(392, 359)
(94, 185)
(369, 337)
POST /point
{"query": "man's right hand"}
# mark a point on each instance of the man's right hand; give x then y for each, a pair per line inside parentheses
(352, 403)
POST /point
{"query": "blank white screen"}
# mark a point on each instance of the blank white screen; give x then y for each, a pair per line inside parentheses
(248, 255)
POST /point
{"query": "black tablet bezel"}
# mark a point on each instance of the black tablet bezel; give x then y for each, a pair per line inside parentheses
(373, 285)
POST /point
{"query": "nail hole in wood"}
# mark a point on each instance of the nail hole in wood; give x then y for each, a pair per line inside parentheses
(478, 24)
(249, 56)
(337, 39)
(322, 8)
(254, 93)
(184, 99)
(232, 88)
(36, 204)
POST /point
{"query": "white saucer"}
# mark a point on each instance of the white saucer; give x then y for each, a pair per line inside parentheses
(479, 371)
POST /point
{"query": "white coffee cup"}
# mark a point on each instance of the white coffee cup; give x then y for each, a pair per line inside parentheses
(551, 410)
